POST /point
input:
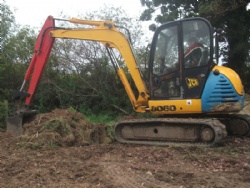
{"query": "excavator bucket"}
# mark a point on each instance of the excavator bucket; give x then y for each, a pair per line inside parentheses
(14, 125)
(15, 122)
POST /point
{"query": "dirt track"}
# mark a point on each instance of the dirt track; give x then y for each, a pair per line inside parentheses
(78, 160)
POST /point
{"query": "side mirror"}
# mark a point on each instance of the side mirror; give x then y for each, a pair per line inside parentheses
(152, 27)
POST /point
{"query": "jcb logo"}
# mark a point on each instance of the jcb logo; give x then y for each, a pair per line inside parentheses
(192, 82)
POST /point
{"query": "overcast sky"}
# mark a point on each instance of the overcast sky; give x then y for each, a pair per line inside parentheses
(34, 12)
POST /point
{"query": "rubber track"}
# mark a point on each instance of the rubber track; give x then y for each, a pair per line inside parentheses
(216, 125)
(244, 117)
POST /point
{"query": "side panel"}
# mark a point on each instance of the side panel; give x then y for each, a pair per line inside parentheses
(222, 93)
(188, 106)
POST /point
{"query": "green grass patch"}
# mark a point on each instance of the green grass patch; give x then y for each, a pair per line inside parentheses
(102, 119)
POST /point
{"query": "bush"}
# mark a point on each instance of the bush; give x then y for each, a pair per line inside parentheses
(3, 113)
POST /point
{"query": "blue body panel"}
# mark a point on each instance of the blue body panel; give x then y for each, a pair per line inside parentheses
(219, 95)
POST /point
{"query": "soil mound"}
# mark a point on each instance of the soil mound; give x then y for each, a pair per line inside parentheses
(60, 128)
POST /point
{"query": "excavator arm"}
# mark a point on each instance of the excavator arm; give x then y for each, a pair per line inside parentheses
(101, 31)
(104, 32)
(42, 50)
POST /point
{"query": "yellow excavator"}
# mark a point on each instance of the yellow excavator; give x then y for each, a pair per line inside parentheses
(195, 100)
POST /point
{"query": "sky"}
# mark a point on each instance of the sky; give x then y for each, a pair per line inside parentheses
(34, 12)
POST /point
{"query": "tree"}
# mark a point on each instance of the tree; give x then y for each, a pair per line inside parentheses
(167, 10)
(7, 23)
(230, 17)
(16, 54)
(17, 45)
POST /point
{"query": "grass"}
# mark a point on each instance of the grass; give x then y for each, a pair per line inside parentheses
(57, 125)
(108, 120)
(102, 119)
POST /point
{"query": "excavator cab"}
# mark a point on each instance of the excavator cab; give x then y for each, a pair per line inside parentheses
(180, 60)
(183, 75)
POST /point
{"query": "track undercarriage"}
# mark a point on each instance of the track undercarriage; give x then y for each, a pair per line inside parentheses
(184, 131)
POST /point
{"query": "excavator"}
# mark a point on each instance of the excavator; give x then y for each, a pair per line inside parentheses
(193, 100)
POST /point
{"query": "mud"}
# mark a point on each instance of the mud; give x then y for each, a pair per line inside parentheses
(63, 149)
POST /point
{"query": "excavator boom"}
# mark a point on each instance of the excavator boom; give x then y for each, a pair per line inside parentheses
(102, 31)
(34, 72)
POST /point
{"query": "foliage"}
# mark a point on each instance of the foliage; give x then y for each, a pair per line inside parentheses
(108, 119)
(6, 22)
(3, 113)
(232, 18)
(17, 45)
(105, 118)
(142, 59)
(166, 10)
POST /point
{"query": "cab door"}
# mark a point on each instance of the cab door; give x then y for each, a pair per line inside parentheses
(180, 59)
(196, 56)
(165, 67)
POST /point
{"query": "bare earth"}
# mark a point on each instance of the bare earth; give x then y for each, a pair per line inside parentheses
(62, 149)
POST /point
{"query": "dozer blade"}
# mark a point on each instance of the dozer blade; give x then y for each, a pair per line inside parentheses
(14, 125)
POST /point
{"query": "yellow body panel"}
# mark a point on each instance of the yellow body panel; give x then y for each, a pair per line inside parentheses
(175, 106)
(233, 77)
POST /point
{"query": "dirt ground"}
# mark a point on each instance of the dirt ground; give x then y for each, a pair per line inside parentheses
(62, 149)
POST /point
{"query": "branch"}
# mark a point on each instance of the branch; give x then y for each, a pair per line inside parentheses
(118, 108)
